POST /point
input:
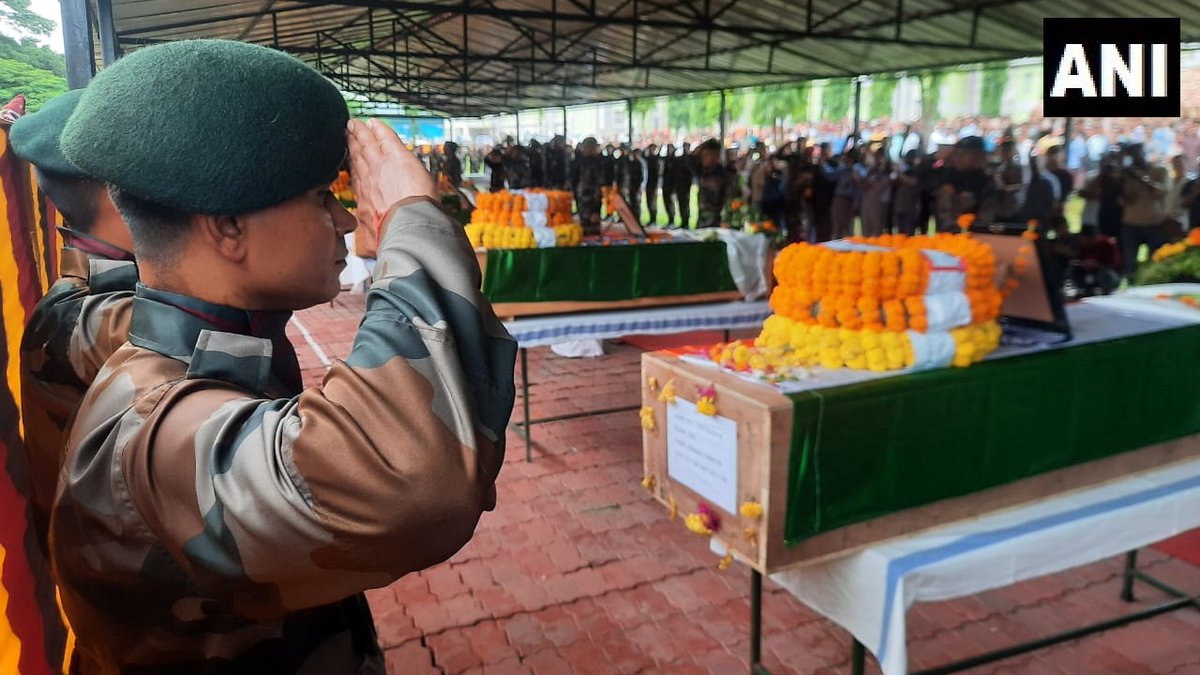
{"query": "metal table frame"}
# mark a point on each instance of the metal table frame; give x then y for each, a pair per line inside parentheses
(525, 427)
(858, 654)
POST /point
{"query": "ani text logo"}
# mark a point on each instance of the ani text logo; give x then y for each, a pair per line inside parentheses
(1111, 67)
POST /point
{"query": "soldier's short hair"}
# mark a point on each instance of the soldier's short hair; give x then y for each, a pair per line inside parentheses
(159, 232)
(75, 197)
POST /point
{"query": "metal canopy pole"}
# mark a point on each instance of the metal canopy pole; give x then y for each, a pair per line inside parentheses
(564, 109)
(722, 118)
(857, 107)
(108, 33)
(1067, 141)
(77, 43)
(518, 127)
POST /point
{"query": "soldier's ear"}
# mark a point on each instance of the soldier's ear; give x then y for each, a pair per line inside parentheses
(225, 234)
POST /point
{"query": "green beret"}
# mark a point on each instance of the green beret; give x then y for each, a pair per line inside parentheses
(34, 137)
(209, 126)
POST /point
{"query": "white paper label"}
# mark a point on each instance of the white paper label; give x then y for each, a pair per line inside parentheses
(702, 453)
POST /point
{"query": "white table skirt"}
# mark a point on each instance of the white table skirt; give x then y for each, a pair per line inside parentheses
(869, 592)
(541, 331)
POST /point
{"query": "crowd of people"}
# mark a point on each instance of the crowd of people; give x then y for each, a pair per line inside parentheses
(1138, 180)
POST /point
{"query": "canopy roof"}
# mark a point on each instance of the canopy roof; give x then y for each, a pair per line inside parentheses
(487, 56)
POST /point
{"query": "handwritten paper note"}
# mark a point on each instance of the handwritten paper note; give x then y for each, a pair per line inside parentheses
(702, 453)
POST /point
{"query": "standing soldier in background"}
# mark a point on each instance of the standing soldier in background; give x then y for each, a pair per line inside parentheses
(556, 164)
(537, 166)
(668, 184)
(495, 162)
(716, 183)
(608, 177)
(80, 321)
(631, 186)
(203, 522)
(451, 166)
(516, 162)
(587, 172)
(653, 173)
(678, 188)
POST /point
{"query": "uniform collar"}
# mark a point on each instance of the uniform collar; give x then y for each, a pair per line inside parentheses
(94, 246)
(244, 347)
(100, 274)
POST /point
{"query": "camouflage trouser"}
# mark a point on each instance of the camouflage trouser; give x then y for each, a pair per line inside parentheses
(711, 204)
(652, 204)
(587, 203)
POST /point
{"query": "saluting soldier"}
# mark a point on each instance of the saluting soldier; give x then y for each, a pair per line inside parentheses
(716, 183)
(84, 317)
(653, 174)
(631, 183)
(557, 164)
(679, 187)
(213, 516)
(451, 165)
(587, 174)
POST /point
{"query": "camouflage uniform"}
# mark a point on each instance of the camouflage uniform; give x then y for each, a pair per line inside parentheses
(677, 189)
(496, 163)
(518, 169)
(80, 322)
(556, 166)
(716, 187)
(586, 174)
(653, 172)
(960, 192)
(631, 185)
(213, 518)
(453, 169)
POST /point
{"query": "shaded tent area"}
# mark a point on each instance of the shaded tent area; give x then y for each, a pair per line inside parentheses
(491, 56)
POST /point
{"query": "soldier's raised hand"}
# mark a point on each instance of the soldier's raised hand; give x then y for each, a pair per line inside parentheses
(383, 171)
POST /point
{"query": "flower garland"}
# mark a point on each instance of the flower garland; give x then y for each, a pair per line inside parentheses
(878, 290)
(498, 220)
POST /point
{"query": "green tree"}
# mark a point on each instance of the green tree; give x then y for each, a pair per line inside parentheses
(680, 111)
(931, 85)
(17, 15)
(835, 99)
(38, 85)
(882, 89)
(29, 51)
(641, 106)
(995, 79)
(778, 103)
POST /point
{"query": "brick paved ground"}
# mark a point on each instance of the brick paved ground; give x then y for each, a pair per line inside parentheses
(578, 571)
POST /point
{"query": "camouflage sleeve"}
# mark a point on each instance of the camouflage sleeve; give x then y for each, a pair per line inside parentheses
(383, 470)
(78, 325)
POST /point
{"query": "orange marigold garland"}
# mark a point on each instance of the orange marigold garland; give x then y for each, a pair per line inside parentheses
(879, 303)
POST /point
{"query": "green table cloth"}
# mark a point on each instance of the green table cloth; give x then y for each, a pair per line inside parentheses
(606, 273)
(865, 450)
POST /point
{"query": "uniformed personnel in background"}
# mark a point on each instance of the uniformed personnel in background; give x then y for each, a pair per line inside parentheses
(716, 183)
(84, 317)
(653, 176)
(496, 162)
(451, 165)
(516, 167)
(557, 164)
(631, 183)
(587, 174)
(212, 515)
(537, 165)
(677, 188)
